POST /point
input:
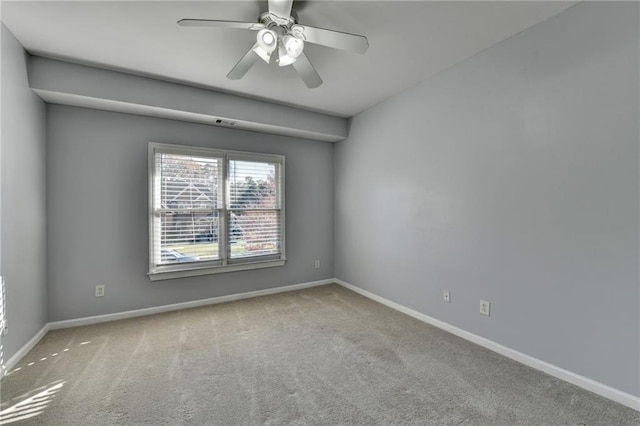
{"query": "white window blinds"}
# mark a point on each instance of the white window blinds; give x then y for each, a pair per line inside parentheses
(212, 208)
(254, 208)
(188, 200)
(3, 316)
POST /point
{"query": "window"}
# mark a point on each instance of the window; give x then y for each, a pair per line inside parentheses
(213, 211)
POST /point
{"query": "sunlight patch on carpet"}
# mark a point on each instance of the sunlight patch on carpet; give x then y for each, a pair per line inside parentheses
(31, 406)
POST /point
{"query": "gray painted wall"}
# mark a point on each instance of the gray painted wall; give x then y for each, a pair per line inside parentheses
(85, 86)
(98, 220)
(511, 177)
(23, 235)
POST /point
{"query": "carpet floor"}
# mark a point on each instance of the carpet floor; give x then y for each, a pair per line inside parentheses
(320, 356)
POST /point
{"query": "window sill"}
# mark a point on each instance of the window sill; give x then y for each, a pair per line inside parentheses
(195, 271)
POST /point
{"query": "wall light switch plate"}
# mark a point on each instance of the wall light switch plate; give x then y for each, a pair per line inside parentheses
(99, 290)
(446, 296)
(485, 307)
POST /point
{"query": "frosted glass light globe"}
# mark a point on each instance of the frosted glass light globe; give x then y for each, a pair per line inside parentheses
(268, 38)
(293, 46)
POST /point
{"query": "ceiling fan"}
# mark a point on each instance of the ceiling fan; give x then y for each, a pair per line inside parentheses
(279, 32)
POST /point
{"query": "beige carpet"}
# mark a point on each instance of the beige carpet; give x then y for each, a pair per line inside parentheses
(318, 356)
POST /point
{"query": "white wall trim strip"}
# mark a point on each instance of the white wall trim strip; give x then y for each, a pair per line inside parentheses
(184, 305)
(57, 325)
(560, 373)
(8, 366)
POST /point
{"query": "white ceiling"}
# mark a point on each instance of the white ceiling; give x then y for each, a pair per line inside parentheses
(409, 42)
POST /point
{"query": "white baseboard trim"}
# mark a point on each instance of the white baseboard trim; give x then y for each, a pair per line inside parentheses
(56, 325)
(8, 366)
(598, 388)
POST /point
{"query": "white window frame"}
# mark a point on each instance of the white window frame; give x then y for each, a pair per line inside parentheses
(225, 264)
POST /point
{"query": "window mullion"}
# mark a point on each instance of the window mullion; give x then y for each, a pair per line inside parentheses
(223, 240)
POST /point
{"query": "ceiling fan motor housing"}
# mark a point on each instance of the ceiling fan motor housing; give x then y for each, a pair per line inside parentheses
(270, 20)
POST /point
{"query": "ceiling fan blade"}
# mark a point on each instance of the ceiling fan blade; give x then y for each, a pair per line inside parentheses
(280, 8)
(220, 24)
(244, 64)
(336, 39)
(307, 72)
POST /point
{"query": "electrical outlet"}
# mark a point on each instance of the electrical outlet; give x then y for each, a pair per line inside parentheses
(317, 265)
(446, 296)
(485, 307)
(99, 290)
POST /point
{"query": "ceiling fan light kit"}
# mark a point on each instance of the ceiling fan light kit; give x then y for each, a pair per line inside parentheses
(292, 45)
(278, 29)
(267, 41)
